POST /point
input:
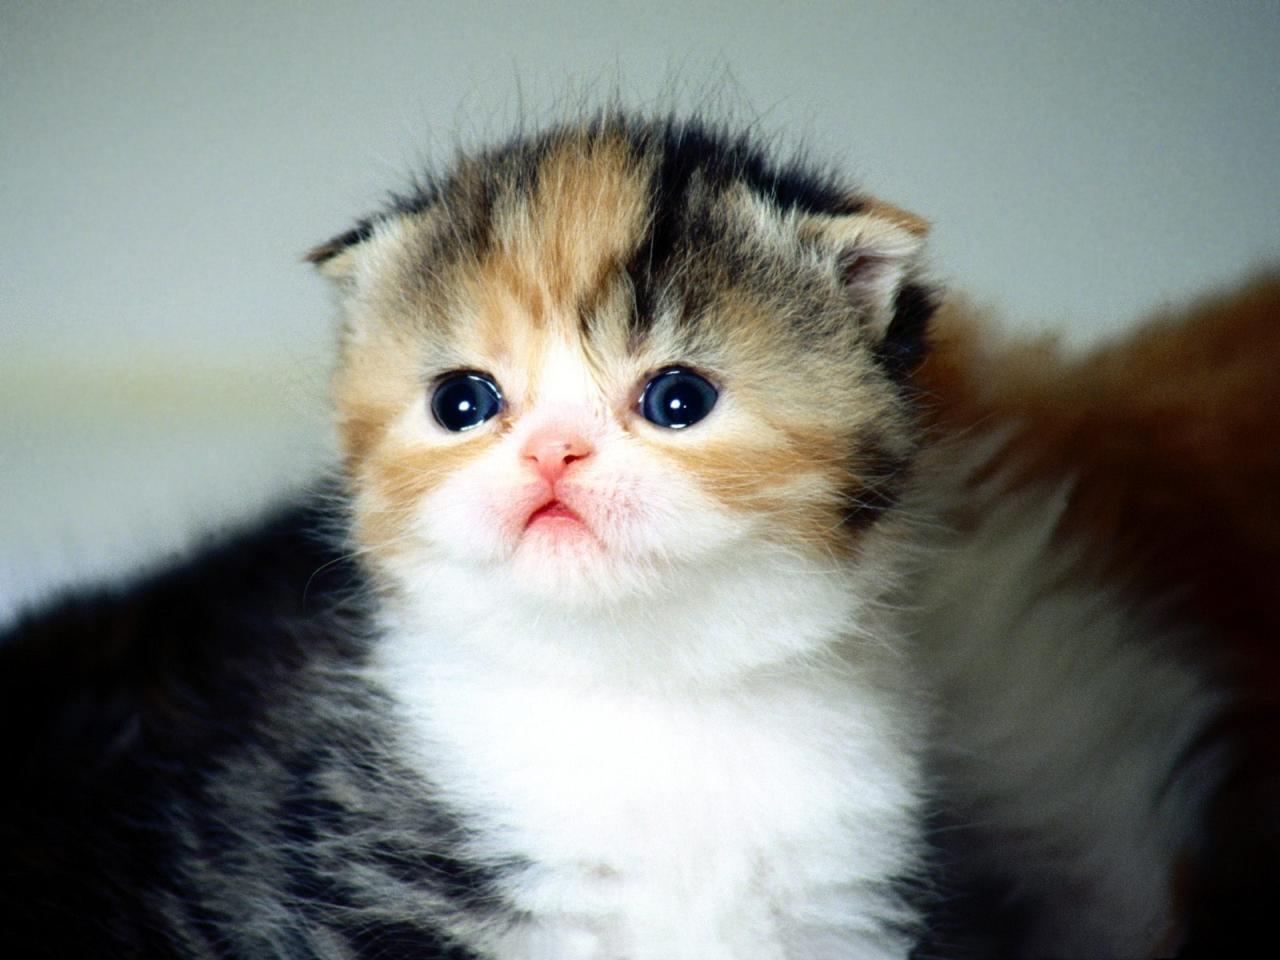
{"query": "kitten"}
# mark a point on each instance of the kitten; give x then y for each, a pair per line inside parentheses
(632, 544)
(640, 624)
(611, 674)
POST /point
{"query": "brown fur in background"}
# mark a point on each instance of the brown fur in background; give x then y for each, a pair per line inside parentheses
(1172, 436)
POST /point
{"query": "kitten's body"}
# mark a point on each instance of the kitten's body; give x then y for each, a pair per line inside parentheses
(654, 694)
(662, 819)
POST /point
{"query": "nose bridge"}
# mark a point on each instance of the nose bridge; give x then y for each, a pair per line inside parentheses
(565, 415)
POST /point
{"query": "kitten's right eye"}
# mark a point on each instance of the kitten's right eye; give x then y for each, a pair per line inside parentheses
(465, 400)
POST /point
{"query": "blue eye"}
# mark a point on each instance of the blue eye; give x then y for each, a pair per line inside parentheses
(677, 398)
(465, 400)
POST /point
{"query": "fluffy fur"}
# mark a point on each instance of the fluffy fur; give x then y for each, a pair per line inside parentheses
(690, 721)
(708, 706)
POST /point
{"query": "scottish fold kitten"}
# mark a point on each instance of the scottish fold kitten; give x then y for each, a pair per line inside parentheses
(607, 671)
(623, 416)
(637, 625)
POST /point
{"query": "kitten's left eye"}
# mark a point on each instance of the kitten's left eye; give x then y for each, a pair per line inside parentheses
(465, 400)
(677, 398)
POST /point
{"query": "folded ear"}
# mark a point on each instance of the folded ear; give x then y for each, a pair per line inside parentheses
(877, 254)
(874, 252)
(336, 259)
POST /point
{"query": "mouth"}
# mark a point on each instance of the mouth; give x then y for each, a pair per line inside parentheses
(552, 512)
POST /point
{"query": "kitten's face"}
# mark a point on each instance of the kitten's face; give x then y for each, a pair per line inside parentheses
(576, 387)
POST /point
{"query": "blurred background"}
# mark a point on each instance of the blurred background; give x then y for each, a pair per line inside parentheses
(163, 166)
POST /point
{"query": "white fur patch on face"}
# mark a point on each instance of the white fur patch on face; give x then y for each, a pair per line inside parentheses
(640, 517)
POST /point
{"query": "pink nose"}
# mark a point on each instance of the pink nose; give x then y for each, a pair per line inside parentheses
(551, 450)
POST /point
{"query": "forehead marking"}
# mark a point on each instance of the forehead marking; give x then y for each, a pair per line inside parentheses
(555, 247)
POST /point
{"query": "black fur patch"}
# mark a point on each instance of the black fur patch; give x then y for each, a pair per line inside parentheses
(327, 251)
(389, 940)
(696, 165)
(166, 747)
(881, 475)
(905, 343)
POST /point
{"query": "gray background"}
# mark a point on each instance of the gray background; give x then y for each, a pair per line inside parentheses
(163, 354)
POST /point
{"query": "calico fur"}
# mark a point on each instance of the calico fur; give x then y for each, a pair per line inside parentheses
(698, 735)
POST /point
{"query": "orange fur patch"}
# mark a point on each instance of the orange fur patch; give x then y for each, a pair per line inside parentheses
(555, 252)
(918, 226)
(1172, 435)
(372, 386)
(401, 475)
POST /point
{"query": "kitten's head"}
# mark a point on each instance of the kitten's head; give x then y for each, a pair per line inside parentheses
(615, 360)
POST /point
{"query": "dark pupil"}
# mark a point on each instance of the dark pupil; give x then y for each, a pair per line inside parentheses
(677, 399)
(465, 401)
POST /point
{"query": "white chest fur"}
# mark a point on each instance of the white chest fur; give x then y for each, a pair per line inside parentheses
(762, 820)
